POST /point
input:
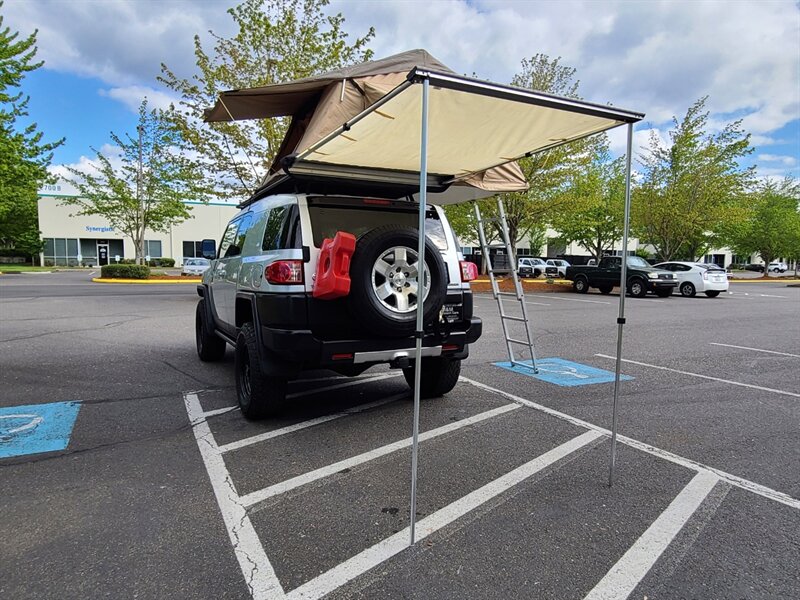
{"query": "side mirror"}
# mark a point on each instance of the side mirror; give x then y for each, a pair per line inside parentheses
(209, 249)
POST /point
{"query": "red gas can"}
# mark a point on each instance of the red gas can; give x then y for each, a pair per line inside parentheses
(333, 269)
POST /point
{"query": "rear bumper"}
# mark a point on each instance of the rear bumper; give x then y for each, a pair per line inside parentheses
(659, 284)
(714, 286)
(303, 347)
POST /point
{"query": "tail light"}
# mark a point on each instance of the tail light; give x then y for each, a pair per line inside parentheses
(285, 272)
(705, 275)
(469, 271)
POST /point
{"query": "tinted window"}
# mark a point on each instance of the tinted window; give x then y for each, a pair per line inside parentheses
(244, 227)
(327, 220)
(227, 240)
(274, 229)
(683, 268)
(637, 262)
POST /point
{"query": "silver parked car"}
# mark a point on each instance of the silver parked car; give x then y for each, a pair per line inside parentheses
(195, 266)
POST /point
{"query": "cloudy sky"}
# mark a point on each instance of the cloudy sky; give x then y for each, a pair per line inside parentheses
(102, 57)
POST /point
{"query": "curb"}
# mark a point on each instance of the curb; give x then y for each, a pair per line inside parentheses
(774, 280)
(147, 281)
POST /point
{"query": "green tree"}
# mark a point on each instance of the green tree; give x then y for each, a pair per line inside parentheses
(24, 157)
(595, 194)
(687, 189)
(148, 189)
(276, 41)
(770, 224)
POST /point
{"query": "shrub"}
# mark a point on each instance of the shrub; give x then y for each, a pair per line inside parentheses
(124, 272)
(162, 262)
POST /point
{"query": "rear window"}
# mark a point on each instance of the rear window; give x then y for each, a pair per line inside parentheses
(326, 220)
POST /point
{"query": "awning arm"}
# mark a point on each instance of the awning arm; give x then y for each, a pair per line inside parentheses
(515, 94)
(348, 124)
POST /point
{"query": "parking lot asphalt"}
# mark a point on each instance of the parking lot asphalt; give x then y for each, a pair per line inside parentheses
(163, 490)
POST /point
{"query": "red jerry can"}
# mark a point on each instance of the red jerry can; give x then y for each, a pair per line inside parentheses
(333, 269)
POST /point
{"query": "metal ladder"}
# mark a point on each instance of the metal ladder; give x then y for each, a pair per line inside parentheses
(505, 318)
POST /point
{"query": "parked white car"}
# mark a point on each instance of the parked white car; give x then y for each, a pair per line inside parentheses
(777, 267)
(195, 266)
(709, 279)
(556, 267)
(530, 267)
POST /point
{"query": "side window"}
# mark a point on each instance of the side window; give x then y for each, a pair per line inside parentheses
(244, 227)
(682, 268)
(274, 228)
(227, 240)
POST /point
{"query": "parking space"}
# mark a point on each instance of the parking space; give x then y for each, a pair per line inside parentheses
(163, 490)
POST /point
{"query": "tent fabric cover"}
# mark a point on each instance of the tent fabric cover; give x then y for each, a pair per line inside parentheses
(321, 104)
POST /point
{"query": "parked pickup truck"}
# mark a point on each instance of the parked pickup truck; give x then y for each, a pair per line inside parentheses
(642, 278)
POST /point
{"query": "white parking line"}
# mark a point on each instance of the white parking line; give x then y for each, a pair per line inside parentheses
(256, 568)
(739, 383)
(354, 461)
(343, 385)
(384, 550)
(755, 349)
(570, 299)
(219, 411)
(268, 435)
(629, 570)
(735, 480)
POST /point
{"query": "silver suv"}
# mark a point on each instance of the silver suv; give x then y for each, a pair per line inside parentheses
(310, 281)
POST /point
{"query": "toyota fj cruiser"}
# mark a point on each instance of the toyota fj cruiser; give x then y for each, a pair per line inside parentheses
(315, 281)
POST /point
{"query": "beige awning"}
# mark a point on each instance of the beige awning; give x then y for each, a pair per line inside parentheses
(473, 126)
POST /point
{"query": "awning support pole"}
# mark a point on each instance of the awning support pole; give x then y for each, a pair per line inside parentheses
(622, 291)
(423, 197)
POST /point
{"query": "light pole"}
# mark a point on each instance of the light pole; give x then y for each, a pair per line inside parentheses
(139, 198)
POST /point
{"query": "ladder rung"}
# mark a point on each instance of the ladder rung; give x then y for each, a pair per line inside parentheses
(508, 294)
(513, 341)
(510, 318)
(525, 365)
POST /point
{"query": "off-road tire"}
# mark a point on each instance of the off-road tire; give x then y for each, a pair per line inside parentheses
(688, 290)
(581, 284)
(605, 289)
(637, 288)
(439, 376)
(364, 303)
(210, 347)
(259, 395)
(712, 293)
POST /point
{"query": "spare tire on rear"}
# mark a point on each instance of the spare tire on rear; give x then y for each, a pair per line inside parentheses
(384, 281)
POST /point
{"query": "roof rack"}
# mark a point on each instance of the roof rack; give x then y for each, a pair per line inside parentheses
(319, 178)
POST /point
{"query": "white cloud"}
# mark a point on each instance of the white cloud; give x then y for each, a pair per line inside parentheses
(785, 160)
(86, 164)
(132, 96)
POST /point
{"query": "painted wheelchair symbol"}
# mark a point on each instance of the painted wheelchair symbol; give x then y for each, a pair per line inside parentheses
(557, 369)
(11, 425)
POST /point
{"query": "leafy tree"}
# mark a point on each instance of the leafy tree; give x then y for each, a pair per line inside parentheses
(276, 41)
(771, 222)
(687, 189)
(595, 194)
(133, 199)
(24, 157)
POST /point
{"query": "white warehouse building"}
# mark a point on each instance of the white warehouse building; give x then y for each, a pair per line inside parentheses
(72, 240)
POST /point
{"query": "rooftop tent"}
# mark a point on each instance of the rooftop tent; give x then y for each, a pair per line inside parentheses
(320, 104)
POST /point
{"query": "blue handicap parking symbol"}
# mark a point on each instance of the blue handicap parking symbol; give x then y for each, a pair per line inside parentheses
(36, 428)
(563, 372)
